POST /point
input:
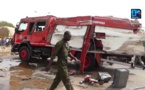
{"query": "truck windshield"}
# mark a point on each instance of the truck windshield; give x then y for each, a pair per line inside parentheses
(23, 26)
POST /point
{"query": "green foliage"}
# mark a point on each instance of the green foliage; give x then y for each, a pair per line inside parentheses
(5, 23)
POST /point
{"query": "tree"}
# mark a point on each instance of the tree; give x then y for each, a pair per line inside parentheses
(5, 23)
(4, 32)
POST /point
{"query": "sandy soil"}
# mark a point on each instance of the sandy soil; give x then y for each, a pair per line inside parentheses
(5, 51)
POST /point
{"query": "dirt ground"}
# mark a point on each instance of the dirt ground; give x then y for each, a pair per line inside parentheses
(17, 75)
(4, 50)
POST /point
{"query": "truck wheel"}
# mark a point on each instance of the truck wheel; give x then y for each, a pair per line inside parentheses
(24, 54)
(90, 61)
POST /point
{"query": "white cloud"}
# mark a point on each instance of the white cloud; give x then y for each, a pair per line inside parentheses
(14, 10)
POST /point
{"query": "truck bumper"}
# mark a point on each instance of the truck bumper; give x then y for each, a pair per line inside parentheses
(14, 48)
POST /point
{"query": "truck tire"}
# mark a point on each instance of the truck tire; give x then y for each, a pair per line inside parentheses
(90, 61)
(24, 54)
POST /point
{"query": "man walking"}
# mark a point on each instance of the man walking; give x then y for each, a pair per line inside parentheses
(62, 51)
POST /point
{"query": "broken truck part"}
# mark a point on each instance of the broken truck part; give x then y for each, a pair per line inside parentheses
(93, 38)
(102, 78)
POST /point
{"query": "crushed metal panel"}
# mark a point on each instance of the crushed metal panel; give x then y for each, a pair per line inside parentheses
(77, 32)
(121, 40)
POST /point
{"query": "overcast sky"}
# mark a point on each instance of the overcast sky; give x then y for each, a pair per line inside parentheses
(13, 10)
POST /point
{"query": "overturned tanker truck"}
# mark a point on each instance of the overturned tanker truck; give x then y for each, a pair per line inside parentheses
(94, 38)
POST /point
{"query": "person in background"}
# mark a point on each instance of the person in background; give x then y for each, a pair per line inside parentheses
(7, 42)
(138, 59)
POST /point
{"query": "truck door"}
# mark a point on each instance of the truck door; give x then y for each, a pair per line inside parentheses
(21, 32)
(30, 28)
(39, 34)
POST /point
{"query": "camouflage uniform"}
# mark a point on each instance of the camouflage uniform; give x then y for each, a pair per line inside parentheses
(62, 51)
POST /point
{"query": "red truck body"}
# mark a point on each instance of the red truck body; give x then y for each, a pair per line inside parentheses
(36, 36)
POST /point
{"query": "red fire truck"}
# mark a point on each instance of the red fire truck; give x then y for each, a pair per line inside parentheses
(93, 37)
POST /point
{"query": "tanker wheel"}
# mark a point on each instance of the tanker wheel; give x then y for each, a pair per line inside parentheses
(89, 61)
(24, 54)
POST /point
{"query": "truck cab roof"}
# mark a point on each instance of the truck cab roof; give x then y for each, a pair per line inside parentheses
(106, 21)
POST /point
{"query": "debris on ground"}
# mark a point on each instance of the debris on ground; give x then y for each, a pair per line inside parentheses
(72, 72)
(25, 79)
(104, 77)
(88, 80)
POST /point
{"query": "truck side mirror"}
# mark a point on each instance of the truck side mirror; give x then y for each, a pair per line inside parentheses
(16, 28)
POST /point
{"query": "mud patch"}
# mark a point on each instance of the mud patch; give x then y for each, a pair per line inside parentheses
(38, 83)
(15, 75)
(19, 75)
